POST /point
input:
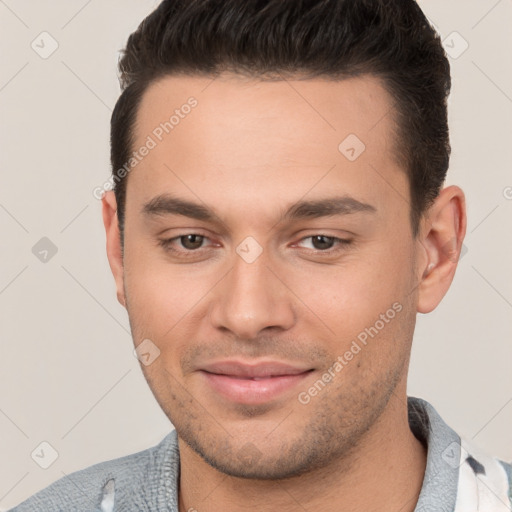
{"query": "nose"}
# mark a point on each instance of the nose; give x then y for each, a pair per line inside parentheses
(252, 297)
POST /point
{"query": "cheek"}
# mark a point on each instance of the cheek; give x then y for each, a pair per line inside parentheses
(355, 291)
(163, 297)
(151, 292)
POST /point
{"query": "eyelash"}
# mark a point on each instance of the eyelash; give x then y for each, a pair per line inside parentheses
(342, 244)
(167, 245)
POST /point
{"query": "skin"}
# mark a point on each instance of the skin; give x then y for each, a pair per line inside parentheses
(248, 151)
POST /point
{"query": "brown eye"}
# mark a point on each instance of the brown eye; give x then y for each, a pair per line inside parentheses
(325, 245)
(191, 241)
(322, 242)
(186, 245)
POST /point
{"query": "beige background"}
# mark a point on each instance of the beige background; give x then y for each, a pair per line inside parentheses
(68, 375)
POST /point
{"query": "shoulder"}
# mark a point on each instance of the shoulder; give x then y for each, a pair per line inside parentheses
(459, 475)
(489, 476)
(133, 482)
(507, 467)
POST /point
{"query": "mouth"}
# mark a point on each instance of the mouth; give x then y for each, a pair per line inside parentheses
(253, 383)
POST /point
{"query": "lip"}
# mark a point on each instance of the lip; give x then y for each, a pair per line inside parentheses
(253, 383)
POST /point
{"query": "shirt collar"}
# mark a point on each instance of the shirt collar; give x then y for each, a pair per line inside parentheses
(439, 489)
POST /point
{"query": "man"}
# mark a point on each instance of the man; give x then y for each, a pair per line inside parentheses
(278, 219)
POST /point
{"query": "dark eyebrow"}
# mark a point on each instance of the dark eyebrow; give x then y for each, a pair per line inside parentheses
(166, 204)
(343, 205)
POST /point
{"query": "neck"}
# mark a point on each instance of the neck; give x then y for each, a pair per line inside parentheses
(383, 473)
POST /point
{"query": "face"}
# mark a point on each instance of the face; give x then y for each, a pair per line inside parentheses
(270, 260)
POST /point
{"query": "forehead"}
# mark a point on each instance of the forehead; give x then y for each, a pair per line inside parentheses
(246, 136)
(291, 109)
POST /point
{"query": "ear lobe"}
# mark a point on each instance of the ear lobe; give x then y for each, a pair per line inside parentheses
(114, 250)
(442, 234)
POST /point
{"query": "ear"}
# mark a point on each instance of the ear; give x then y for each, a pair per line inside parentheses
(441, 235)
(114, 252)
